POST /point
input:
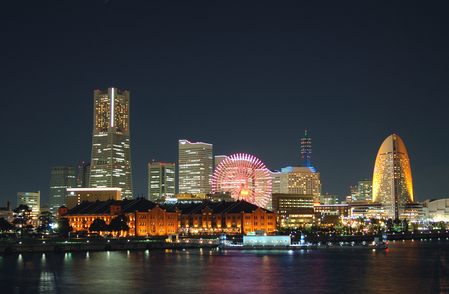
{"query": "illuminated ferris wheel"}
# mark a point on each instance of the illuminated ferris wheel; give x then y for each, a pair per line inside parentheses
(245, 177)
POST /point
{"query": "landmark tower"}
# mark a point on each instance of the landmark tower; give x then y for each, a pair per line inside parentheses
(111, 153)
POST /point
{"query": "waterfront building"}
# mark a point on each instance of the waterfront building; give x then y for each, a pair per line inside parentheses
(61, 178)
(436, 210)
(111, 152)
(301, 180)
(293, 210)
(195, 167)
(367, 209)
(33, 201)
(83, 179)
(306, 150)
(161, 180)
(392, 176)
(75, 196)
(211, 218)
(144, 217)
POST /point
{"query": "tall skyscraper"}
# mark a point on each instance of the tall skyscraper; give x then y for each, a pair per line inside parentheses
(161, 180)
(392, 177)
(195, 167)
(61, 178)
(83, 180)
(111, 151)
(301, 180)
(306, 150)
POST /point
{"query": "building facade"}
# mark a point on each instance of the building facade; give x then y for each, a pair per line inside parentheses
(195, 167)
(33, 201)
(76, 196)
(61, 178)
(111, 151)
(212, 218)
(293, 210)
(144, 218)
(301, 180)
(392, 176)
(161, 180)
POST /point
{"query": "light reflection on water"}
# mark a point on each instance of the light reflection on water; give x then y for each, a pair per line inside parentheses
(413, 267)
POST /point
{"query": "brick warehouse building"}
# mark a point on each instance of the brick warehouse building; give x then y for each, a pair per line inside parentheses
(145, 218)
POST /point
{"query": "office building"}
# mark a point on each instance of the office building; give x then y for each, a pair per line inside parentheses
(111, 152)
(293, 210)
(33, 201)
(83, 179)
(61, 178)
(328, 199)
(392, 177)
(365, 190)
(195, 167)
(301, 180)
(161, 180)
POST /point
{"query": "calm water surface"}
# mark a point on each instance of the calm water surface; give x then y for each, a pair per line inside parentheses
(406, 267)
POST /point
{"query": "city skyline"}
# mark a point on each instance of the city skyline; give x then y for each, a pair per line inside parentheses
(245, 77)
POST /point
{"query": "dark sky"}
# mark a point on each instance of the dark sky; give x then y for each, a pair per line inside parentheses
(247, 76)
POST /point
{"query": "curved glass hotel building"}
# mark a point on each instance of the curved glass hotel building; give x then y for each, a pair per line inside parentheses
(392, 177)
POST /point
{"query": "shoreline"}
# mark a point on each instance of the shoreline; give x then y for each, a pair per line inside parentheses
(117, 244)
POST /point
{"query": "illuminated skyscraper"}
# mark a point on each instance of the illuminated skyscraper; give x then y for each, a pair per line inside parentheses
(61, 178)
(195, 167)
(161, 180)
(111, 153)
(392, 177)
(306, 150)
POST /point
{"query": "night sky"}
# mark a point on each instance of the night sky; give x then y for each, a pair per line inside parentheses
(247, 76)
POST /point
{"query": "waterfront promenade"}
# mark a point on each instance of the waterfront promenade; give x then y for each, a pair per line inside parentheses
(184, 242)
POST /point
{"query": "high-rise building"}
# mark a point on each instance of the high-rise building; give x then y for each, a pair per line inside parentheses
(161, 180)
(306, 150)
(83, 180)
(392, 177)
(61, 178)
(195, 167)
(301, 180)
(365, 190)
(111, 152)
(33, 201)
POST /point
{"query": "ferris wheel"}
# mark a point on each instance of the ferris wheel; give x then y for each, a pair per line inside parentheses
(245, 177)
